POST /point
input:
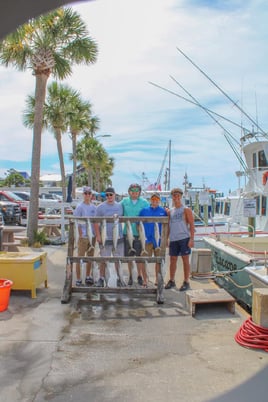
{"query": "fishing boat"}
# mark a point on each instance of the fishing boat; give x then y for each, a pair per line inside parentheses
(239, 256)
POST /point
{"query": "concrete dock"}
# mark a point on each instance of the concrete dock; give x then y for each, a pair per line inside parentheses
(124, 349)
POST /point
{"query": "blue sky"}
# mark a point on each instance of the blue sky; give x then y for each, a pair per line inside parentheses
(138, 43)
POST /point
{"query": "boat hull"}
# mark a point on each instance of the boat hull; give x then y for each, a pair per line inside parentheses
(228, 265)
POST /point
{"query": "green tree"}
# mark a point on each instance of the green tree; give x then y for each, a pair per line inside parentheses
(13, 178)
(48, 45)
(95, 161)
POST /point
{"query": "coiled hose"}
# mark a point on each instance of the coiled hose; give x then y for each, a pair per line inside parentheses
(251, 335)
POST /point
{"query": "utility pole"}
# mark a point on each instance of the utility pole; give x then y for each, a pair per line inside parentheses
(169, 163)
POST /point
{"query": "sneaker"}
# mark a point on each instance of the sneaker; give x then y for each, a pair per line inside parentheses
(184, 286)
(170, 284)
(89, 280)
(78, 282)
(100, 283)
(130, 281)
(140, 280)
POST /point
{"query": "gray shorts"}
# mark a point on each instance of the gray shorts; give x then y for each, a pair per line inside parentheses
(108, 251)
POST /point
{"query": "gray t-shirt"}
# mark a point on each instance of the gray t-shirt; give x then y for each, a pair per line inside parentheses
(105, 209)
(86, 210)
(178, 228)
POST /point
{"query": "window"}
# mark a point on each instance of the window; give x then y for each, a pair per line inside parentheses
(262, 159)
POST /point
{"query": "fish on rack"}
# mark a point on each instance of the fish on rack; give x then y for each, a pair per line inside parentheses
(130, 237)
(115, 231)
(90, 234)
(142, 237)
(103, 232)
(120, 278)
(157, 235)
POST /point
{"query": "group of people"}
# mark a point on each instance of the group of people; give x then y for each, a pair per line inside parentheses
(180, 233)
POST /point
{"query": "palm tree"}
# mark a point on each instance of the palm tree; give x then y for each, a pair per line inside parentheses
(48, 45)
(80, 120)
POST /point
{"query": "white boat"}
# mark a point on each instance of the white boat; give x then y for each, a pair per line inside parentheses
(239, 255)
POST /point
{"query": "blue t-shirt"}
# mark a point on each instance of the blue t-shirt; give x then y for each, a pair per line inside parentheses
(149, 226)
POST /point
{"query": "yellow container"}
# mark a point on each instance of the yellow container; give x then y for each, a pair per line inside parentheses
(27, 270)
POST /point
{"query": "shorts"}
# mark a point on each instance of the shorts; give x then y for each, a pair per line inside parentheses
(136, 246)
(108, 250)
(84, 247)
(149, 247)
(179, 247)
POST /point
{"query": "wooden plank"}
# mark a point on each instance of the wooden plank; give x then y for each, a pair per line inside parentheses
(208, 296)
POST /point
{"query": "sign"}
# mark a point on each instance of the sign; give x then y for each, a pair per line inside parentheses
(250, 207)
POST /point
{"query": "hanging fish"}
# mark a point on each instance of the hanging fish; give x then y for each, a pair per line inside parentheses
(130, 237)
(115, 231)
(142, 237)
(157, 235)
(120, 278)
(90, 234)
(103, 232)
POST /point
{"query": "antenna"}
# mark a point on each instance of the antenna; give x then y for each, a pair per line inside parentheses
(221, 90)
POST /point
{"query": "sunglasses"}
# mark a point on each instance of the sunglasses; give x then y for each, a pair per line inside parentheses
(109, 194)
(135, 190)
(87, 193)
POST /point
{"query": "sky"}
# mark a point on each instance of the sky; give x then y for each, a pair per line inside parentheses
(138, 44)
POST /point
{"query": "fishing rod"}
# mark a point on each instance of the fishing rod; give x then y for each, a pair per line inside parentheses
(201, 106)
(221, 90)
(241, 161)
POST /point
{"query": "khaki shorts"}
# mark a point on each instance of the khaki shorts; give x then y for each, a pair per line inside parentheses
(84, 247)
(149, 247)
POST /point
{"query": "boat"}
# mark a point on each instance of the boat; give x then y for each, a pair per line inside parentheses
(239, 255)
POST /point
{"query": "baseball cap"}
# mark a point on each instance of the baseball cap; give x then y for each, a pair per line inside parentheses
(157, 195)
(134, 186)
(87, 189)
(176, 190)
(110, 190)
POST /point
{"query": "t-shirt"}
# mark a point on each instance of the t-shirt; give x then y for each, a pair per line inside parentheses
(86, 210)
(105, 209)
(149, 226)
(178, 228)
(133, 209)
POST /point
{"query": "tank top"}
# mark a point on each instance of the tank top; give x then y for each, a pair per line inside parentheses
(178, 228)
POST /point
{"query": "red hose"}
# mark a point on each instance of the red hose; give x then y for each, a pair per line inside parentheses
(251, 335)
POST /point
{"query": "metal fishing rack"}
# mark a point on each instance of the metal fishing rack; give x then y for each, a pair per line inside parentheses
(71, 259)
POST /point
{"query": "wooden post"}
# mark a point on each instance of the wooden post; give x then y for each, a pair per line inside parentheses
(251, 226)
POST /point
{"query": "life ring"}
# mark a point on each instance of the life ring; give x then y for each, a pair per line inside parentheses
(264, 178)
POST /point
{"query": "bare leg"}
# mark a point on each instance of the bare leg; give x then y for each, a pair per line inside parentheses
(186, 267)
(143, 273)
(173, 267)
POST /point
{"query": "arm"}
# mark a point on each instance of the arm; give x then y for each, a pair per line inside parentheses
(190, 222)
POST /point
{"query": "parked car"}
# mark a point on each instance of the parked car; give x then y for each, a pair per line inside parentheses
(23, 194)
(12, 197)
(11, 212)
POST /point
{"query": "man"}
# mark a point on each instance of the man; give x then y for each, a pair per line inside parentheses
(85, 209)
(153, 234)
(132, 206)
(104, 233)
(181, 238)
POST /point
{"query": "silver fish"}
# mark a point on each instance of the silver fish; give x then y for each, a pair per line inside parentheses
(103, 232)
(90, 234)
(115, 232)
(156, 235)
(130, 236)
(142, 237)
(120, 278)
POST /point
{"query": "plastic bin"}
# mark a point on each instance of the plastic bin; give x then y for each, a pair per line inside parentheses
(5, 285)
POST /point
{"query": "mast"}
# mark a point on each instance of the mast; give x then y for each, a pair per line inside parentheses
(169, 163)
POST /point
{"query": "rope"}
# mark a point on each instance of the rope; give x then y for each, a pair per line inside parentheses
(251, 335)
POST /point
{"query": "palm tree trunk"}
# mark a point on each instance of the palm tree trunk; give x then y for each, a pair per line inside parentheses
(74, 165)
(62, 168)
(40, 94)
